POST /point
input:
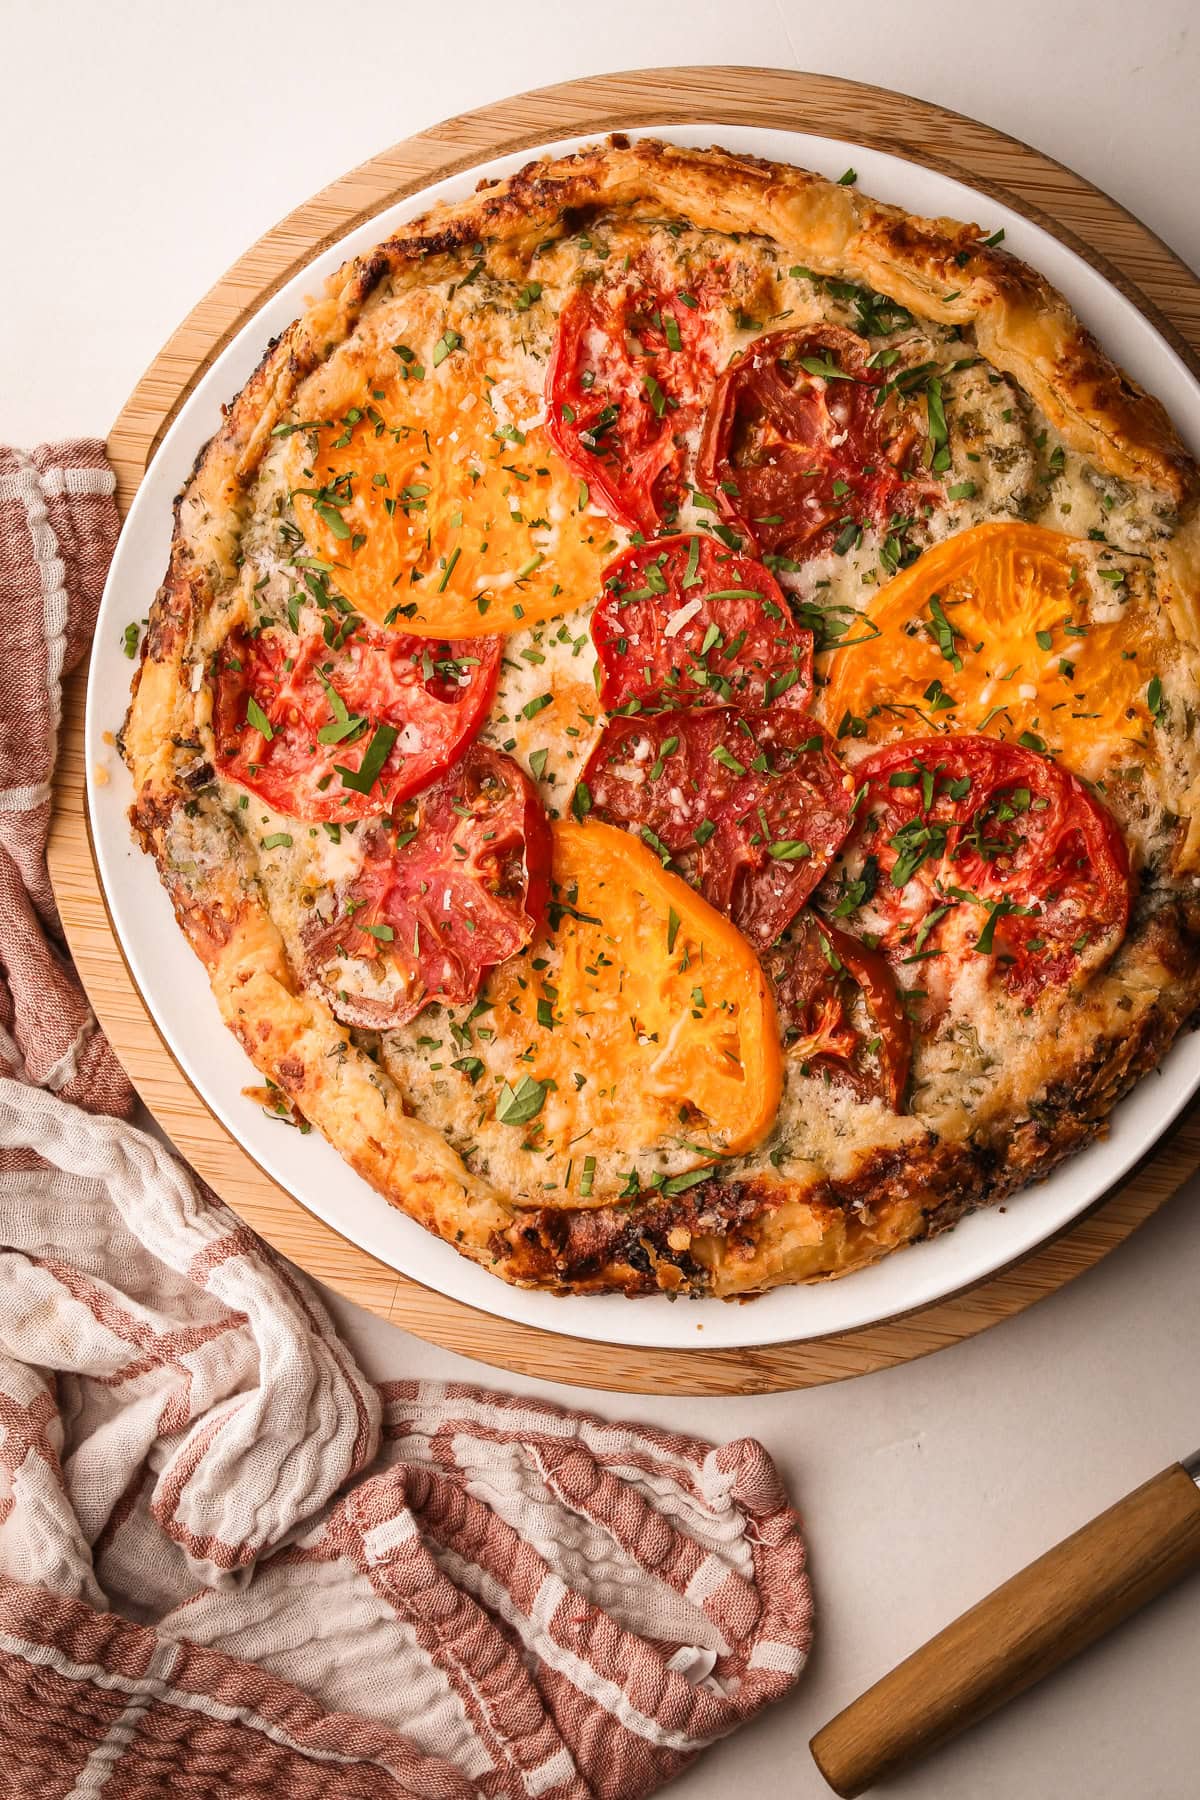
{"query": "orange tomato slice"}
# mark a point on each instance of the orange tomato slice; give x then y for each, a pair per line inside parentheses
(1011, 630)
(639, 987)
(439, 514)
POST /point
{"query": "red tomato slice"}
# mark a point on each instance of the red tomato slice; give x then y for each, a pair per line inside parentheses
(818, 974)
(457, 882)
(751, 807)
(685, 622)
(968, 847)
(294, 715)
(629, 375)
(794, 458)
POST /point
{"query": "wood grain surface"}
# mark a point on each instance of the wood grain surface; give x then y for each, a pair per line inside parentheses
(1093, 224)
(1018, 1634)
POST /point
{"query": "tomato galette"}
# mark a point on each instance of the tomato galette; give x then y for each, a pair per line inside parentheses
(671, 723)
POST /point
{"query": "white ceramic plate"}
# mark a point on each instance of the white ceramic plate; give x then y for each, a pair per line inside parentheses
(176, 989)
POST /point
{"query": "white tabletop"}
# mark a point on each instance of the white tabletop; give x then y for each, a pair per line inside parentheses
(145, 144)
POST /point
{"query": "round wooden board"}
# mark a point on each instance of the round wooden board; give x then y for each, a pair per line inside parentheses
(1127, 253)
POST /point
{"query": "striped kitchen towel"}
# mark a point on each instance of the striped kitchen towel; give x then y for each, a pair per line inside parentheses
(230, 1565)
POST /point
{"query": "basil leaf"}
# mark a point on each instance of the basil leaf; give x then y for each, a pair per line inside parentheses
(517, 1106)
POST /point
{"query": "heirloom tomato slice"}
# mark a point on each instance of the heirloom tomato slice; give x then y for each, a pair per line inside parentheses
(631, 370)
(455, 882)
(839, 1011)
(752, 807)
(348, 728)
(1012, 630)
(966, 848)
(684, 622)
(642, 1016)
(803, 443)
(422, 479)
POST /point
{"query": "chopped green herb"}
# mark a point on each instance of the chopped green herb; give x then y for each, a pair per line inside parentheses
(937, 696)
(449, 570)
(858, 892)
(258, 718)
(943, 632)
(939, 435)
(679, 1184)
(655, 395)
(363, 779)
(690, 575)
(825, 368)
(516, 1106)
(997, 910)
(445, 346)
(661, 850)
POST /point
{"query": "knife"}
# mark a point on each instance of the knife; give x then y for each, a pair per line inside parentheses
(1032, 1624)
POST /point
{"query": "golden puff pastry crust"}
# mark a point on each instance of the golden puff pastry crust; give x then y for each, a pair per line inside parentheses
(841, 1182)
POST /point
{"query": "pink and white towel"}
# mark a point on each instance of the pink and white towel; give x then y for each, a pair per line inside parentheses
(231, 1566)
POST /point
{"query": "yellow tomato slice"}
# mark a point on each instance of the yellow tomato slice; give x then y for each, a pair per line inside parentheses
(639, 987)
(440, 515)
(1011, 630)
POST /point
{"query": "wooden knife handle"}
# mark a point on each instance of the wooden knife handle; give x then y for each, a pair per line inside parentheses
(1029, 1626)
